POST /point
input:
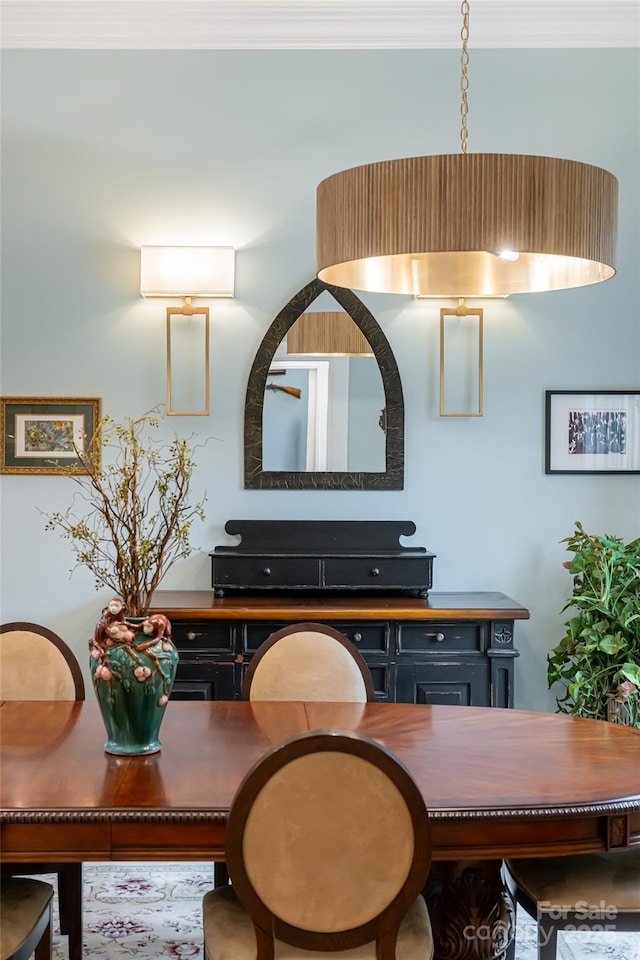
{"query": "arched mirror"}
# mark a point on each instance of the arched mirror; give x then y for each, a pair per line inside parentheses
(318, 420)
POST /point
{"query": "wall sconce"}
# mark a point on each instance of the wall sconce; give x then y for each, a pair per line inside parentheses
(187, 272)
(329, 333)
(468, 350)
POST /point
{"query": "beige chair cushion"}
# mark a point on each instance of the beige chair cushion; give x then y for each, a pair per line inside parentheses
(308, 666)
(22, 903)
(229, 934)
(32, 668)
(582, 881)
(336, 868)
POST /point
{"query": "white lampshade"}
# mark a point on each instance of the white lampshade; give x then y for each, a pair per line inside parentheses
(187, 271)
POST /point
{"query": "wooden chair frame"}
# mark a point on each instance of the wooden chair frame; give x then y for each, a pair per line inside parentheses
(39, 940)
(549, 927)
(287, 631)
(69, 874)
(382, 928)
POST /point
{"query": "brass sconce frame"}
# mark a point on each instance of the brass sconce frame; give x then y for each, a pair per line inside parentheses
(187, 310)
(461, 311)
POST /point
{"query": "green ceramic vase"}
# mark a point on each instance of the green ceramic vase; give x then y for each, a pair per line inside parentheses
(133, 665)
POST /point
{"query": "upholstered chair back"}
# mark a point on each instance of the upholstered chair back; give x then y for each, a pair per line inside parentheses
(36, 664)
(308, 661)
(328, 847)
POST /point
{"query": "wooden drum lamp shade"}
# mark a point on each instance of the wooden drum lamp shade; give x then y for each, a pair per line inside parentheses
(464, 225)
(327, 333)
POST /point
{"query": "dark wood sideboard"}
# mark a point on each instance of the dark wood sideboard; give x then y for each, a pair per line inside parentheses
(451, 648)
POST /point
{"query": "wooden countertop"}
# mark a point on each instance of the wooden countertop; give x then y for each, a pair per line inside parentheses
(285, 605)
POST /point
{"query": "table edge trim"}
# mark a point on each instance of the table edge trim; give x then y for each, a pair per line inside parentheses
(221, 816)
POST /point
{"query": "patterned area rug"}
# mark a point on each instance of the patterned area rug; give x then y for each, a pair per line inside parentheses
(153, 910)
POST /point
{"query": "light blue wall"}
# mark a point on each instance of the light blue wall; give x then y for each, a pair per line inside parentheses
(105, 151)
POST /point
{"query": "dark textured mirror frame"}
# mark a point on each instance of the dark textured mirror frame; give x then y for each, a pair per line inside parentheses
(255, 478)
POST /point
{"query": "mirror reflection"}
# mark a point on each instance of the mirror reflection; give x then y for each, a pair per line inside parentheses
(324, 401)
(323, 398)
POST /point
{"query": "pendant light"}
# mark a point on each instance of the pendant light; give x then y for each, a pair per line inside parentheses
(464, 225)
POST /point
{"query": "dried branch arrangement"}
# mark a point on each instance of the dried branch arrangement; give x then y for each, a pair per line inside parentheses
(130, 520)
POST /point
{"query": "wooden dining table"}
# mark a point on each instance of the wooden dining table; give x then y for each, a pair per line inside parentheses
(497, 783)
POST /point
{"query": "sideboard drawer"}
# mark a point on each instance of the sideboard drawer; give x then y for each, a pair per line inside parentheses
(440, 637)
(189, 635)
(265, 572)
(375, 572)
(255, 633)
(365, 636)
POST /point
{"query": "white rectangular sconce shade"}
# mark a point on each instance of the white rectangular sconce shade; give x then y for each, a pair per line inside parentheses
(187, 271)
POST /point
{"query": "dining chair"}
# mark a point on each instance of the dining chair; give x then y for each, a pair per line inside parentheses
(36, 664)
(308, 661)
(599, 891)
(304, 661)
(328, 846)
(25, 919)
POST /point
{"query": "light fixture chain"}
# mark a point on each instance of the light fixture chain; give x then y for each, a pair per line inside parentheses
(464, 80)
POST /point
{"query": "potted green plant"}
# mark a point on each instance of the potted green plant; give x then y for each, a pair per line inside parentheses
(598, 659)
(129, 523)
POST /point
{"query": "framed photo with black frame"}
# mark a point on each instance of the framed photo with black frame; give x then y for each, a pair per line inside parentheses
(45, 434)
(592, 431)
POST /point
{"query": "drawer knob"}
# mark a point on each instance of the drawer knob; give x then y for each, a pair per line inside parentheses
(357, 637)
(191, 636)
(438, 637)
(267, 571)
(375, 572)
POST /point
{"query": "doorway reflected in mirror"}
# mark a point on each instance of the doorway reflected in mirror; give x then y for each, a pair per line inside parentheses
(325, 417)
(313, 420)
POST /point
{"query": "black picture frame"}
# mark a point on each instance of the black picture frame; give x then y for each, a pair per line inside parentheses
(592, 431)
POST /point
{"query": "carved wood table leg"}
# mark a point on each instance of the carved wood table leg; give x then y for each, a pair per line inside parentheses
(472, 912)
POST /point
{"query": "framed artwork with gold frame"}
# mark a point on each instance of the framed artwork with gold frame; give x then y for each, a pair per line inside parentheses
(46, 434)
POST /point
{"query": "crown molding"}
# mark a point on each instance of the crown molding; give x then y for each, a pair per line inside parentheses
(314, 24)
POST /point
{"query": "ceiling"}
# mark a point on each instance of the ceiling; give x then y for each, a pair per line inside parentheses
(309, 24)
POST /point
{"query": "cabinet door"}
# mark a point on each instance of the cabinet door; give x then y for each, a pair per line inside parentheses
(382, 676)
(459, 683)
(204, 680)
